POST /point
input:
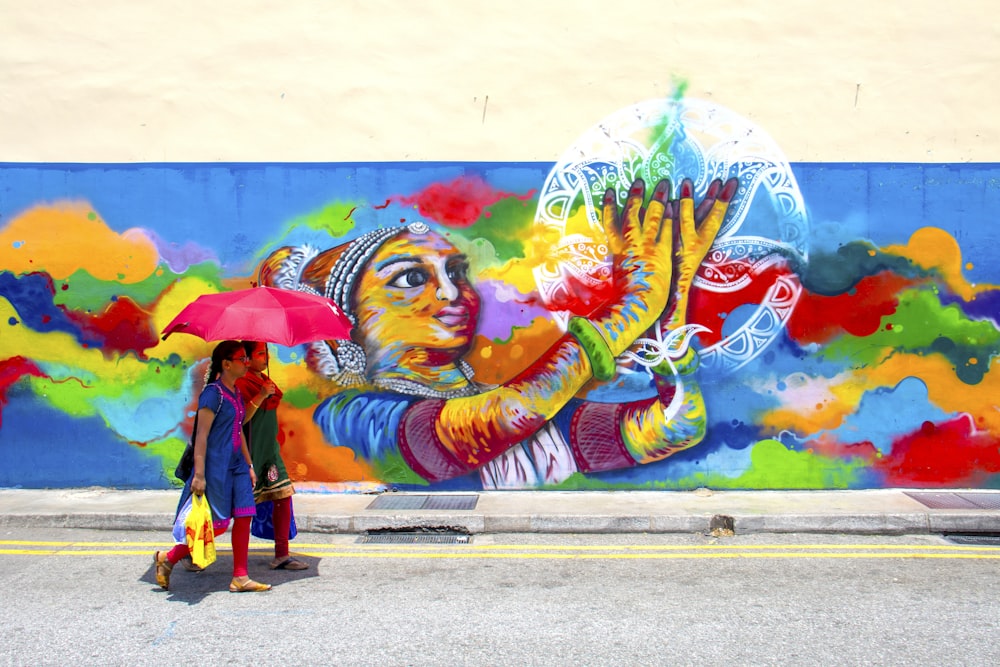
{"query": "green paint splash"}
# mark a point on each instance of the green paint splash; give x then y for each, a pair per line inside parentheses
(334, 219)
(772, 466)
(922, 325)
(507, 224)
(301, 397)
(88, 294)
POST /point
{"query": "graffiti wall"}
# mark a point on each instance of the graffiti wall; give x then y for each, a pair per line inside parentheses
(670, 305)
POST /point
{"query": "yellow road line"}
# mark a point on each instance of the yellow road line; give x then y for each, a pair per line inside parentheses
(256, 547)
(646, 556)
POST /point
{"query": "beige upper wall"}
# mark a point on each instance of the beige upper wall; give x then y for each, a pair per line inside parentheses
(519, 80)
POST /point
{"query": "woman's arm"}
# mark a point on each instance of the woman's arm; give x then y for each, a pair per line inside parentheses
(252, 398)
(206, 416)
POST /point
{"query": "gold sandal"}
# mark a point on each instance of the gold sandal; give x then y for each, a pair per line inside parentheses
(248, 586)
(289, 563)
(163, 570)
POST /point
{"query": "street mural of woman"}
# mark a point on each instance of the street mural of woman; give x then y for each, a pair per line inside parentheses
(407, 401)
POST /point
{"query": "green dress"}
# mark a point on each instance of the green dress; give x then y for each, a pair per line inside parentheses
(262, 432)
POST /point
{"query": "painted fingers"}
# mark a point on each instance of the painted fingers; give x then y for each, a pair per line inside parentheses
(699, 225)
(639, 227)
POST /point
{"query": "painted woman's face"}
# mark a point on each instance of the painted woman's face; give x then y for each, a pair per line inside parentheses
(415, 293)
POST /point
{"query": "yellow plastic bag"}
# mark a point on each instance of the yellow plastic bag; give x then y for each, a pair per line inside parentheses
(199, 533)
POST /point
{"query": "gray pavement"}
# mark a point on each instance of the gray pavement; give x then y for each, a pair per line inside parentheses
(889, 512)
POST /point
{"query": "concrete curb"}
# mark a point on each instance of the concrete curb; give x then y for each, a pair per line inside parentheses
(859, 524)
(888, 512)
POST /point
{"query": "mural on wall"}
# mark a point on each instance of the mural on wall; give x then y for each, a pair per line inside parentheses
(670, 305)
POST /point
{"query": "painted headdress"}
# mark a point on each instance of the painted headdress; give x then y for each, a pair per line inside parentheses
(331, 273)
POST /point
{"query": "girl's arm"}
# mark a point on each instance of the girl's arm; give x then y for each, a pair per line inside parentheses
(205, 418)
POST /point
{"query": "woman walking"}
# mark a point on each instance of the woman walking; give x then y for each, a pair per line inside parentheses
(223, 470)
(262, 397)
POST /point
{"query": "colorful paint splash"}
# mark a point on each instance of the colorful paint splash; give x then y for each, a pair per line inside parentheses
(880, 369)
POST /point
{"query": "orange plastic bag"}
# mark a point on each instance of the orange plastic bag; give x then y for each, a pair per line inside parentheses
(198, 532)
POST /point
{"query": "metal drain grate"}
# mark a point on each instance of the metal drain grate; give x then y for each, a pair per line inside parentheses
(414, 538)
(979, 540)
(940, 500)
(986, 501)
(422, 502)
(450, 503)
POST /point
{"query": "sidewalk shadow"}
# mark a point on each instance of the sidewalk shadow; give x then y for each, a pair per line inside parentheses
(193, 587)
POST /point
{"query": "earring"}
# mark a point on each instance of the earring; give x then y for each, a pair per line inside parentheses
(345, 365)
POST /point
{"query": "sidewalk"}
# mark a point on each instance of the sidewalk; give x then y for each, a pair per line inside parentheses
(858, 512)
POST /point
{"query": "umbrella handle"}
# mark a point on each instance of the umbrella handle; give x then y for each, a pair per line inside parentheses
(173, 329)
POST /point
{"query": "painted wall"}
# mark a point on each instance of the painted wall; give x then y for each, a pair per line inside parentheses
(848, 310)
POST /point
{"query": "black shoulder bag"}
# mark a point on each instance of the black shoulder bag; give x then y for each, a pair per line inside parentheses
(186, 465)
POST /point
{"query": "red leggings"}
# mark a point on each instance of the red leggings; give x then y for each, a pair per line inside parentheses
(282, 524)
(241, 545)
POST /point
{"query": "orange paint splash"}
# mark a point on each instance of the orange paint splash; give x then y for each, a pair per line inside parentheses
(935, 249)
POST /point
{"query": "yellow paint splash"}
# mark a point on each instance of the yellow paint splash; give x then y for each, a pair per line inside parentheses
(935, 249)
(65, 237)
(944, 389)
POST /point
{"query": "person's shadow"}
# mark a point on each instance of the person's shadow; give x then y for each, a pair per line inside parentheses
(193, 587)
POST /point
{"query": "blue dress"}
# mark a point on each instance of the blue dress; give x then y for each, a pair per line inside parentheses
(227, 475)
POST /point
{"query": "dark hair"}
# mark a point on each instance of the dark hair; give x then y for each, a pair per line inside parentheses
(222, 351)
(250, 345)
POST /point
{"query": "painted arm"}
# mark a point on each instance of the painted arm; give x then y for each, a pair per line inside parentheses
(677, 419)
(442, 439)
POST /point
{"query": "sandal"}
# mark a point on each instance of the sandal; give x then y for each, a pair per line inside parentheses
(163, 569)
(248, 586)
(289, 563)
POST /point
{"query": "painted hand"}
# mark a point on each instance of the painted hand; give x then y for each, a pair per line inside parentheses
(641, 243)
(695, 230)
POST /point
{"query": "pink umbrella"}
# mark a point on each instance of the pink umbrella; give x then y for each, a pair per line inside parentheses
(265, 314)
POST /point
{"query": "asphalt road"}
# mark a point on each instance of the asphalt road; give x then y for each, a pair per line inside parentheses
(75, 597)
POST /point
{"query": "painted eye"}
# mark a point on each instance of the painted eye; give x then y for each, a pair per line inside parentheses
(458, 271)
(409, 278)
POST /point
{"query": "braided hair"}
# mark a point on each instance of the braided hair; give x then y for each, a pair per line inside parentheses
(222, 351)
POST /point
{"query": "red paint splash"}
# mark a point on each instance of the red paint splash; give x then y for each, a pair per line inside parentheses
(828, 446)
(710, 309)
(122, 327)
(946, 454)
(818, 319)
(459, 203)
(12, 370)
(584, 299)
